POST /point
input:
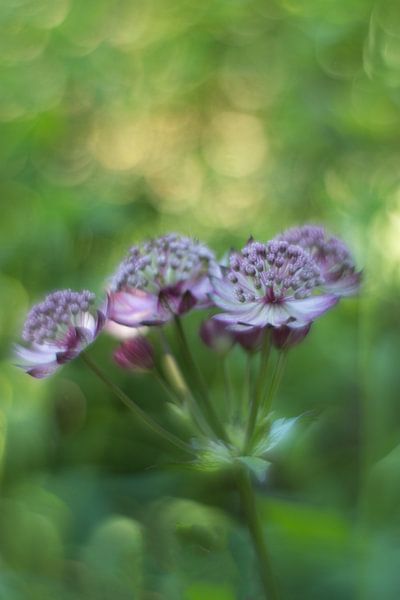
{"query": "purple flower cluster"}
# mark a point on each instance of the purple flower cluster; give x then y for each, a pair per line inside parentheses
(57, 330)
(271, 284)
(161, 278)
(337, 268)
(135, 354)
(284, 284)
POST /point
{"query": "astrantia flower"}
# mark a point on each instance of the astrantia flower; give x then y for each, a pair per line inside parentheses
(136, 354)
(286, 337)
(338, 271)
(218, 336)
(271, 284)
(57, 330)
(161, 278)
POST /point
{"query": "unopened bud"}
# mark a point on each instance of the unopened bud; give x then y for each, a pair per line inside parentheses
(216, 335)
(252, 339)
(135, 354)
(286, 337)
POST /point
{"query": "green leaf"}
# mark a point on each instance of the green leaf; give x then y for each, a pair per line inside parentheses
(258, 466)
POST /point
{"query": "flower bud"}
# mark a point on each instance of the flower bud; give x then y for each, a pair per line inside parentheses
(252, 339)
(286, 337)
(135, 354)
(217, 336)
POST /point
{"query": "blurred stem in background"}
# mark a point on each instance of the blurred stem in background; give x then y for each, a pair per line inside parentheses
(136, 410)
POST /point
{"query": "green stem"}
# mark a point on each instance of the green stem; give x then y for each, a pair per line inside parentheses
(137, 411)
(276, 380)
(173, 377)
(199, 383)
(247, 390)
(257, 397)
(248, 501)
(227, 387)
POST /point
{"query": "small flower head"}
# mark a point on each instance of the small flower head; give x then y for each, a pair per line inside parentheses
(135, 354)
(251, 340)
(160, 278)
(337, 268)
(219, 336)
(216, 335)
(57, 330)
(286, 337)
(271, 284)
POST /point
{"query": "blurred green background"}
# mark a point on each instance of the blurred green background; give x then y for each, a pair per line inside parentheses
(122, 119)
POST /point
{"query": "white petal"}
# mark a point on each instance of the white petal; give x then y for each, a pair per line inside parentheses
(307, 309)
(34, 357)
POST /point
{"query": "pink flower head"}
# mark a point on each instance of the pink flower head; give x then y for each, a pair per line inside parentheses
(216, 335)
(135, 354)
(219, 336)
(271, 284)
(286, 337)
(337, 268)
(57, 330)
(161, 278)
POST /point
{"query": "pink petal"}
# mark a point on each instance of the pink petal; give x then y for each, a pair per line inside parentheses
(86, 321)
(132, 308)
(169, 301)
(276, 314)
(43, 371)
(223, 294)
(254, 314)
(307, 309)
(34, 357)
(188, 301)
(36, 363)
(347, 285)
(100, 322)
(200, 289)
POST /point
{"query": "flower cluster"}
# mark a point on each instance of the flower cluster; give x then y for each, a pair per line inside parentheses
(284, 284)
(268, 295)
(337, 268)
(272, 284)
(161, 278)
(57, 330)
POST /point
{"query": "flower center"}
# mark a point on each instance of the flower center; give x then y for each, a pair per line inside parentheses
(161, 263)
(272, 272)
(50, 320)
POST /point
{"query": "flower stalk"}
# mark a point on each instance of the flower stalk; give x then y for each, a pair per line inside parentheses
(199, 383)
(256, 398)
(135, 409)
(275, 381)
(254, 525)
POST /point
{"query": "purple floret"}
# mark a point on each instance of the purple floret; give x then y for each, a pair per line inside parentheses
(271, 284)
(57, 330)
(337, 268)
(161, 278)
